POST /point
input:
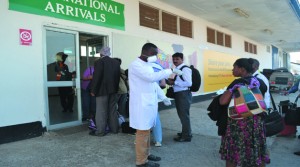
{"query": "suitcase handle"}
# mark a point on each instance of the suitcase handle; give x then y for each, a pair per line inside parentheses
(294, 105)
(296, 100)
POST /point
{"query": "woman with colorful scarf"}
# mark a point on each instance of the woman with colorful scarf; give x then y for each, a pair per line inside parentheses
(244, 143)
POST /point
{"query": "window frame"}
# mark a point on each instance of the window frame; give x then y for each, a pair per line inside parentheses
(160, 25)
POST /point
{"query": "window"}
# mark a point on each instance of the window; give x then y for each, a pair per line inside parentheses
(149, 17)
(254, 49)
(211, 35)
(219, 38)
(246, 46)
(228, 41)
(185, 27)
(160, 20)
(250, 48)
(169, 23)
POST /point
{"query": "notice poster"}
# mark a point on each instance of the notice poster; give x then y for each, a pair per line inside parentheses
(25, 37)
(217, 70)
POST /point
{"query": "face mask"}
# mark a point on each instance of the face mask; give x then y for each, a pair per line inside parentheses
(58, 58)
(152, 59)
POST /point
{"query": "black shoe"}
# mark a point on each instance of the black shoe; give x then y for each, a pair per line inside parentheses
(180, 135)
(70, 110)
(93, 133)
(153, 158)
(180, 139)
(149, 164)
(64, 110)
(297, 153)
(84, 119)
(299, 137)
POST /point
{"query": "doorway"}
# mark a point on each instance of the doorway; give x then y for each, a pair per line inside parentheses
(63, 81)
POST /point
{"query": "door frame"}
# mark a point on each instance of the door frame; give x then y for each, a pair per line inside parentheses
(75, 82)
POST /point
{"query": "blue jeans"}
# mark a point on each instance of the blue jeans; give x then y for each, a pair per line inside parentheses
(183, 100)
(88, 104)
(157, 130)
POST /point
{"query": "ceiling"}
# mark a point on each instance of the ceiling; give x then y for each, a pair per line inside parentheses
(271, 22)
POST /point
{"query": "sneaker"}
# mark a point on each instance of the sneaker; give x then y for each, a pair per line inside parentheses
(157, 144)
(92, 125)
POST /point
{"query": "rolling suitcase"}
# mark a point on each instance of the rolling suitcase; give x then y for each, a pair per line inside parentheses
(289, 130)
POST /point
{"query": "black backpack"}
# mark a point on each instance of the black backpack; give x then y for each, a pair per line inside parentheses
(196, 78)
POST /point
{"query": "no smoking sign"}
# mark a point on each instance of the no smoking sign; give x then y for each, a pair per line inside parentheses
(25, 37)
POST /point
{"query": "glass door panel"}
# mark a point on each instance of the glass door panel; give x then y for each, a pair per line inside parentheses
(62, 84)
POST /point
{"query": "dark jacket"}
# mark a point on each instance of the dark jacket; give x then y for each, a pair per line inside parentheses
(218, 113)
(106, 76)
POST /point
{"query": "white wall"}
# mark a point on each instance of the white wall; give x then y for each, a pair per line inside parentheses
(199, 26)
(22, 98)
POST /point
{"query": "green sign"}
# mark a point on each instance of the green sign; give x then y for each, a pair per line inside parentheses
(105, 13)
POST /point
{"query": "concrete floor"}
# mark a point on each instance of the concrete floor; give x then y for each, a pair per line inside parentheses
(73, 147)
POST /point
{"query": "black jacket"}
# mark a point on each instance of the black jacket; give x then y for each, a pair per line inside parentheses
(218, 113)
(106, 76)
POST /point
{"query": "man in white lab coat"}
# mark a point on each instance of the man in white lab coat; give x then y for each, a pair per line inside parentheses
(143, 103)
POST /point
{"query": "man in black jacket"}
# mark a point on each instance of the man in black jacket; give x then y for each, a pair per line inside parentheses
(105, 86)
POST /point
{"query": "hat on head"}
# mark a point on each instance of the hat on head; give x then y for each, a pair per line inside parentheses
(61, 56)
(105, 51)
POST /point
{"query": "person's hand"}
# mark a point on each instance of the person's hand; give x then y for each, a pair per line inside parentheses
(170, 81)
(177, 71)
(235, 87)
(92, 94)
(285, 93)
(167, 102)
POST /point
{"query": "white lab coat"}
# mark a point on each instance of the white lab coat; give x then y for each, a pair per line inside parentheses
(144, 93)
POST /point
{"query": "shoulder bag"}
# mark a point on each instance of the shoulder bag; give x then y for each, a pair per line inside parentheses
(273, 121)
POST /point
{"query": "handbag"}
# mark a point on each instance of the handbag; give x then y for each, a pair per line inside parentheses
(246, 101)
(292, 116)
(273, 121)
(170, 92)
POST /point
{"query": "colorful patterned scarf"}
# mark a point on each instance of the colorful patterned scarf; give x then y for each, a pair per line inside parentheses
(247, 100)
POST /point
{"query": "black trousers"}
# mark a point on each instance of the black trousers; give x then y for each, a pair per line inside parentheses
(66, 95)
